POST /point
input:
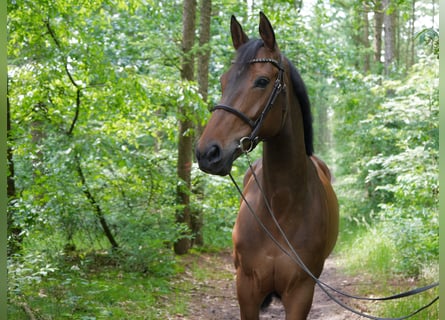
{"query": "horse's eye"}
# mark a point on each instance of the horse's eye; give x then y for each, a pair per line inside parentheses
(261, 82)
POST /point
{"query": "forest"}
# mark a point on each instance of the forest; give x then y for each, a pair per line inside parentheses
(106, 100)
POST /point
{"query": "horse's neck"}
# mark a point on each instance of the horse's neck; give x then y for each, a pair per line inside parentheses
(284, 156)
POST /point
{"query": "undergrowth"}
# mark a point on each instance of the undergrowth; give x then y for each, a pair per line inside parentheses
(370, 254)
(94, 285)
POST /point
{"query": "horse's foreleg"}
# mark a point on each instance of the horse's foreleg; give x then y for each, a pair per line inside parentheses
(249, 298)
(298, 301)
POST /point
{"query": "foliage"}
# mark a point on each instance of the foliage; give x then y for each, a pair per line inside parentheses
(94, 92)
(400, 174)
(219, 202)
(430, 39)
(410, 172)
(371, 255)
(92, 288)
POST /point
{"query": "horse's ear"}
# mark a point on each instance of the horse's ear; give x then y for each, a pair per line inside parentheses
(266, 32)
(238, 36)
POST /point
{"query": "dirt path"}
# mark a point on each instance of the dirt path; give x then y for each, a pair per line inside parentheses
(214, 297)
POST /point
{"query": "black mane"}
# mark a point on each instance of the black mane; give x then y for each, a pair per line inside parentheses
(248, 52)
(305, 105)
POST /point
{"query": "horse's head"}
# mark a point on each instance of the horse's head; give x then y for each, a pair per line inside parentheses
(249, 109)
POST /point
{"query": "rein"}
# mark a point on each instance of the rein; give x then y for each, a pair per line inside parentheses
(249, 143)
(293, 255)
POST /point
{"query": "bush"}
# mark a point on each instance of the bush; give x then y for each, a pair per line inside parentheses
(395, 164)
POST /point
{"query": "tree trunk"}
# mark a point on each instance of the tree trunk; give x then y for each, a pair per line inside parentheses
(184, 166)
(203, 83)
(389, 21)
(204, 53)
(298, 5)
(323, 124)
(11, 182)
(412, 36)
(15, 233)
(365, 39)
(378, 28)
(185, 139)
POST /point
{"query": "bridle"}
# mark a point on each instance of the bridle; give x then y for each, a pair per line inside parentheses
(248, 143)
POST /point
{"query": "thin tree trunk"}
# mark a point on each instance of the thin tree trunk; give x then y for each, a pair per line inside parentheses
(298, 5)
(410, 58)
(203, 83)
(365, 40)
(378, 28)
(323, 125)
(185, 139)
(96, 207)
(397, 42)
(389, 21)
(11, 182)
(15, 234)
(204, 54)
(184, 165)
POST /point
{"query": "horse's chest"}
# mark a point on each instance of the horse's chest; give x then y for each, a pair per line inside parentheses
(254, 227)
(256, 219)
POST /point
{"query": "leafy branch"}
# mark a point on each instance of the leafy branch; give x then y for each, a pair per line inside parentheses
(97, 209)
(70, 76)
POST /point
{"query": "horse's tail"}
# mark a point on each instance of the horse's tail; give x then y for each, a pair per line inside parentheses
(268, 300)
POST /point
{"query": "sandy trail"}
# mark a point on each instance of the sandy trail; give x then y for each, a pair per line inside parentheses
(214, 298)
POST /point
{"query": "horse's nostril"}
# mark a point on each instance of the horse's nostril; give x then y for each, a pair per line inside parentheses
(214, 154)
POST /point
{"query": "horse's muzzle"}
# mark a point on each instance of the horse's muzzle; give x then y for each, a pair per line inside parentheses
(213, 159)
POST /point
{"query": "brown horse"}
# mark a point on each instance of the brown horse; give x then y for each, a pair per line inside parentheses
(264, 99)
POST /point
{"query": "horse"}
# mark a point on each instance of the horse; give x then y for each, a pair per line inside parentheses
(264, 99)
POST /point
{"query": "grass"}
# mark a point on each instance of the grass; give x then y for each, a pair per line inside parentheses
(368, 250)
(207, 266)
(368, 253)
(409, 305)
